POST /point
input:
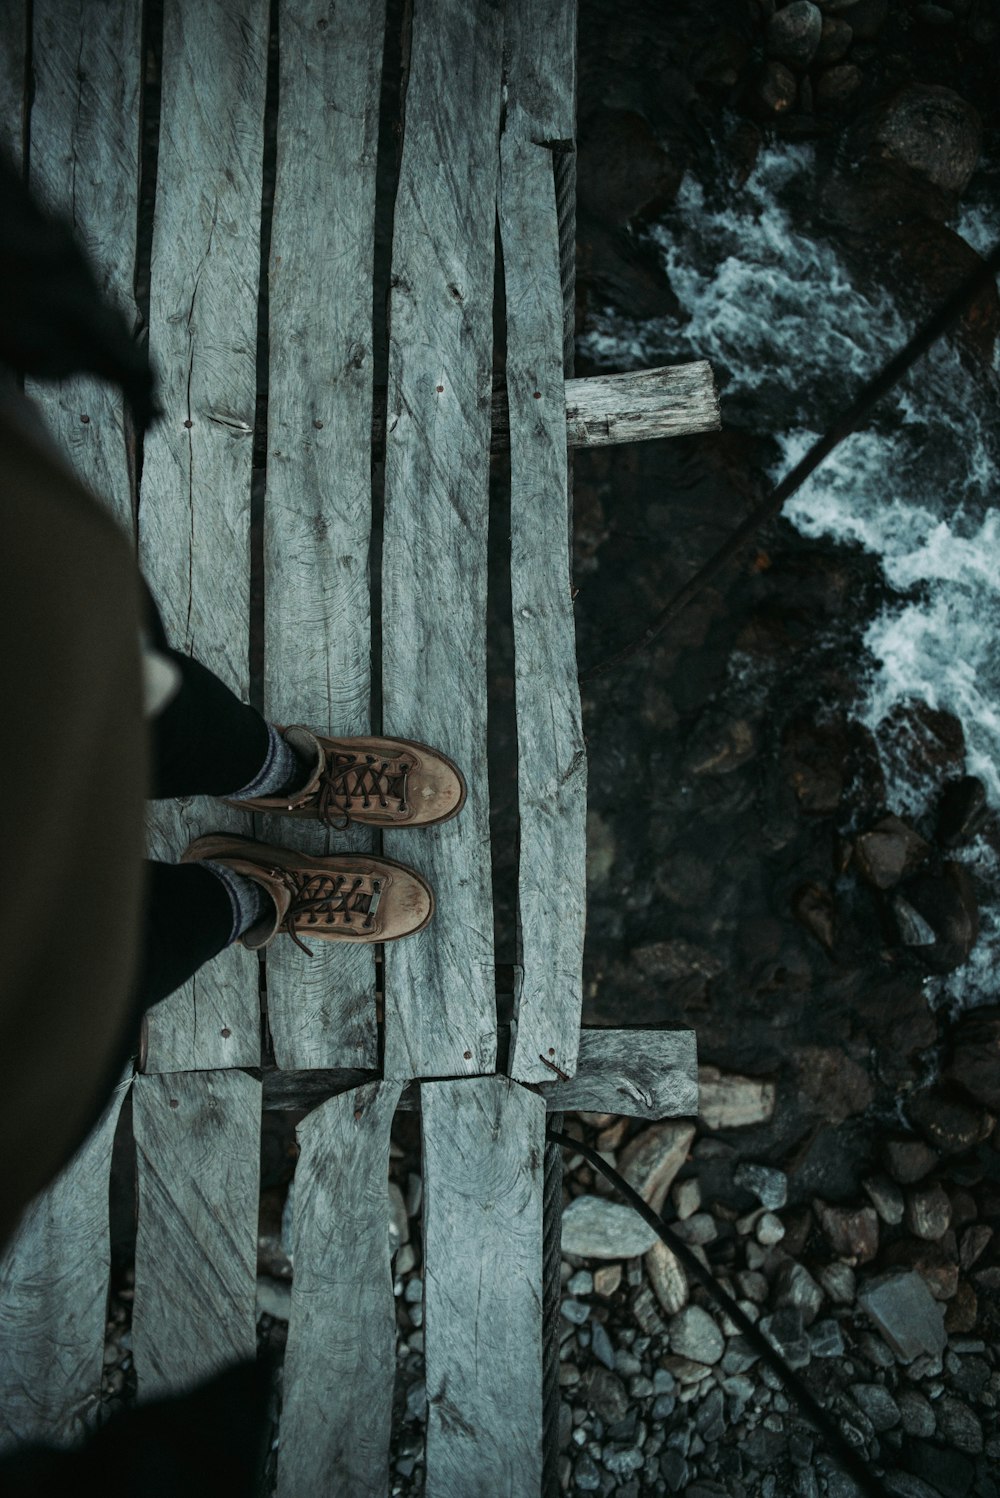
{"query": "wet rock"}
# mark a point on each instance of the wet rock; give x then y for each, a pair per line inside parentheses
(928, 1213)
(793, 34)
(729, 1101)
(597, 1229)
(826, 1339)
(651, 1160)
(911, 928)
(694, 1335)
(975, 1058)
(719, 744)
(908, 1160)
(962, 1314)
(915, 1412)
(814, 754)
(947, 902)
(815, 908)
(794, 1286)
(836, 86)
(768, 1230)
(622, 169)
(925, 737)
(851, 1234)
(839, 1282)
(605, 1394)
(777, 88)
(889, 853)
(836, 1087)
(948, 1120)
(905, 1313)
(886, 1197)
(835, 38)
(933, 132)
(962, 811)
(958, 1425)
(607, 1279)
(975, 1241)
(932, 261)
(769, 1186)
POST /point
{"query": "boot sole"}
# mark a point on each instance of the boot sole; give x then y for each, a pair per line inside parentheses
(232, 845)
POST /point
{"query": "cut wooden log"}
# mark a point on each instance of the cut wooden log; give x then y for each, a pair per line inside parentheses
(602, 410)
(317, 509)
(635, 1073)
(551, 757)
(483, 1148)
(197, 1139)
(194, 511)
(439, 996)
(54, 1298)
(336, 1418)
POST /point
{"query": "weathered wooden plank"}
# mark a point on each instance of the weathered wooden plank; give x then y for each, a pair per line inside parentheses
(540, 64)
(54, 1295)
(86, 60)
(13, 94)
(551, 760)
(440, 1008)
(194, 514)
(336, 1417)
(608, 409)
(197, 1138)
(317, 515)
(639, 1073)
(483, 1148)
(641, 405)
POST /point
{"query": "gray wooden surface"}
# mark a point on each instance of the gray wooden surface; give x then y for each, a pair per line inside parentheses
(317, 517)
(551, 758)
(13, 97)
(638, 1073)
(197, 1139)
(336, 1417)
(85, 166)
(641, 405)
(440, 1009)
(194, 512)
(53, 1298)
(483, 1148)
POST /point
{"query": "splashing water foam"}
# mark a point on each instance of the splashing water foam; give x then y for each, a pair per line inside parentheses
(792, 341)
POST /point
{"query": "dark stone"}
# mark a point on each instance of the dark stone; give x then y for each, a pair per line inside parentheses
(932, 740)
(947, 901)
(961, 811)
(931, 1261)
(605, 1394)
(889, 852)
(913, 930)
(834, 1086)
(835, 39)
(777, 88)
(835, 87)
(832, 1161)
(867, 18)
(975, 1057)
(908, 1160)
(933, 132)
(720, 745)
(623, 172)
(947, 1120)
(935, 260)
(814, 906)
(814, 754)
(793, 34)
(850, 1234)
(945, 1469)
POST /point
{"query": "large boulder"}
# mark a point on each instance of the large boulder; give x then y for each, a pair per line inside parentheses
(933, 132)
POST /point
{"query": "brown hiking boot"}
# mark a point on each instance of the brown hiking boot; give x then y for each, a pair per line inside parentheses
(382, 782)
(344, 897)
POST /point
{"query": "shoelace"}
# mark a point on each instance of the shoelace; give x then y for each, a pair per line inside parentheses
(314, 895)
(336, 790)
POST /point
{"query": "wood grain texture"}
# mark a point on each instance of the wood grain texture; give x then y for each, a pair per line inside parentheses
(339, 1369)
(641, 405)
(639, 1073)
(13, 94)
(53, 1298)
(87, 60)
(197, 1138)
(552, 760)
(194, 513)
(483, 1148)
(440, 1006)
(317, 516)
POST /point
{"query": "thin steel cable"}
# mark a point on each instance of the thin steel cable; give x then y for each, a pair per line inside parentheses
(564, 168)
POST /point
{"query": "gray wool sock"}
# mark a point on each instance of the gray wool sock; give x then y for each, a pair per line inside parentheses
(282, 772)
(249, 900)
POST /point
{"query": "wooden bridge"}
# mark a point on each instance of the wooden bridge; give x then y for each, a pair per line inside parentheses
(373, 570)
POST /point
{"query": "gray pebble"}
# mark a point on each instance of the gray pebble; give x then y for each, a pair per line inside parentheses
(958, 1426)
(916, 1413)
(623, 1462)
(826, 1340)
(581, 1283)
(585, 1474)
(575, 1311)
(878, 1404)
(663, 1406)
(601, 1344)
(693, 1334)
